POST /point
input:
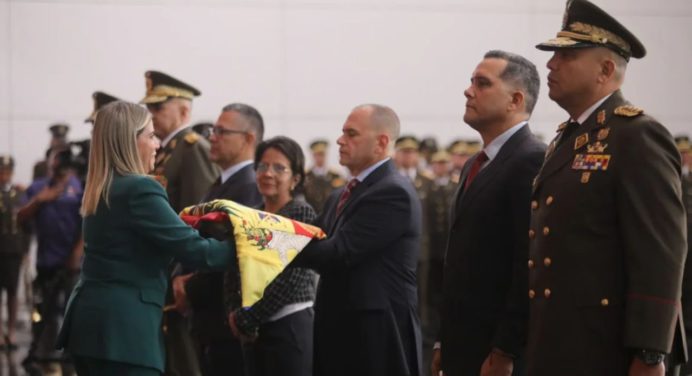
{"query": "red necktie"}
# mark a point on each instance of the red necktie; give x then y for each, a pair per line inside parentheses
(345, 195)
(475, 167)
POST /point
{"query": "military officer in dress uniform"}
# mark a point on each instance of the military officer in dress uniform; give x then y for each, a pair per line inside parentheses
(685, 149)
(320, 180)
(183, 167)
(460, 152)
(13, 247)
(607, 233)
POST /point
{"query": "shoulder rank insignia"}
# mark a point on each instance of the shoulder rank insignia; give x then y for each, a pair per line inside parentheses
(338, 182)
(191, 137)
(596, 147)
(603, 134)
(561, 127)
(582, 140)
(601, 117)
(591, 162)
(628, 111)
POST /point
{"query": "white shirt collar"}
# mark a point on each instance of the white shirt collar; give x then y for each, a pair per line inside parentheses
(227, 173)
(493, 148)
(363, 175)
(170, 136)
(582, 118)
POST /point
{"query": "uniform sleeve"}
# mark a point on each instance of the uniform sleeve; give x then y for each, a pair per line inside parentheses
(652, 226)
(154, 219)
(198, 174)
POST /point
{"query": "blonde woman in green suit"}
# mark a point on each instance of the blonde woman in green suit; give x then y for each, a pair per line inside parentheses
(113, 321)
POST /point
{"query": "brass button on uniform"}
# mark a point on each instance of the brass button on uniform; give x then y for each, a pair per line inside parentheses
(530, 264)
(549, 200)
(532, 234)
(534, 204)
(531, 294)
(604, 302)
(547, 261)
(546, 230)
(547, 293)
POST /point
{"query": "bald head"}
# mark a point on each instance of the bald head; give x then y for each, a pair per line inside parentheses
(382, 119)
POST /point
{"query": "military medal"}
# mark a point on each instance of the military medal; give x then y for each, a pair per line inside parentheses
(581, 141)
(591, 162)
(596, 147)
(603, 134)
(600, 118)
(585, 177)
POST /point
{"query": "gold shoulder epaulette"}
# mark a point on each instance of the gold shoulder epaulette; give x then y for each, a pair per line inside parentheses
(338, 182)
(561, 126)
(191, 138)
(628, 111)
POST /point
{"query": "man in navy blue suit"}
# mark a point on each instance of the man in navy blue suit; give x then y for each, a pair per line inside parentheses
(484, 308)
(365, 311)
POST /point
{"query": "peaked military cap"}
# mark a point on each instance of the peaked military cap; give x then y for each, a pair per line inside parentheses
(440, 156)
(428, 143)
(406, 142)
(59, 130)
(457, 147)
(683, 144)
(203, 129)
(473, 147)
(100, 99)
(319, 146)
(6, 161)
(585, 25)
(161, 87)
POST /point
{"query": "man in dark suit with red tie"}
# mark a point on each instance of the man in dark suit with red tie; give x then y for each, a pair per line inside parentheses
(234, 139)
(484, 309)
(365, 311)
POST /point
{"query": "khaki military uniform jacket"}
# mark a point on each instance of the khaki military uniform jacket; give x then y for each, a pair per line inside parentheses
(607, 245)
(13, 237)
(318, 188)
(184, 169)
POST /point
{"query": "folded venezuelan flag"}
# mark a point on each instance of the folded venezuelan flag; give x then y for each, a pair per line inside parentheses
(265, 242)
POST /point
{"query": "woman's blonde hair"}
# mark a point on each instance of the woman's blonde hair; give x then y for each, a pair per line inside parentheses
(113, 150)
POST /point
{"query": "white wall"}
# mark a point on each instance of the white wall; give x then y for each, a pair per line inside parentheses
(304, 63)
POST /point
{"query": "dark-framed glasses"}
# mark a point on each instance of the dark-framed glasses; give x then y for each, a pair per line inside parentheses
(275, 167)
(220, 131)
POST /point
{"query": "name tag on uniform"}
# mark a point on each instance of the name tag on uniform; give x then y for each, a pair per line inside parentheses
(591, 162)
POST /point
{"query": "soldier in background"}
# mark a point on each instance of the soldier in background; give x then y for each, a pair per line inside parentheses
(58, 139)
(406, 158)
(183, 167)
(203, 129)
(685, 149)
(100, 99)
(461, 151)
(13, 248)
(320, 180)
(426, 149)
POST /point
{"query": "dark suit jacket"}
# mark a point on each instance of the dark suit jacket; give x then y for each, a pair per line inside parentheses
(485, 275)
(205, 289)
(365, 310)
(114, 312)
(607, 246)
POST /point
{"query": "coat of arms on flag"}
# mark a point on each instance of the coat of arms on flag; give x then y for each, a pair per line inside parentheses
(265, 242)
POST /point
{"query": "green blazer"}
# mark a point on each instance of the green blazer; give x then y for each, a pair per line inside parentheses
(114, 312)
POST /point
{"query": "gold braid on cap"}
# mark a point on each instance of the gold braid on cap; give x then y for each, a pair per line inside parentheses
(169, 91)
(594, 34)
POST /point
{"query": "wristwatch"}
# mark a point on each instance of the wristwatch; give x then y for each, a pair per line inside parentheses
(650, 357)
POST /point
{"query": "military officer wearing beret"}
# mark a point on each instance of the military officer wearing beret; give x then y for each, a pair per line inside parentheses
(183, 167)
(320, 180)
(607, 233)
(685, 149)
(13, 247)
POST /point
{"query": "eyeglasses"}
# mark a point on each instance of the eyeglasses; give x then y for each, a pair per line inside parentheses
(220, 131)
(276, 168)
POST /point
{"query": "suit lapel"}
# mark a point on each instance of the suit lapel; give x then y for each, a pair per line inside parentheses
(569, 147)
(359, 190)
(496, 165)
